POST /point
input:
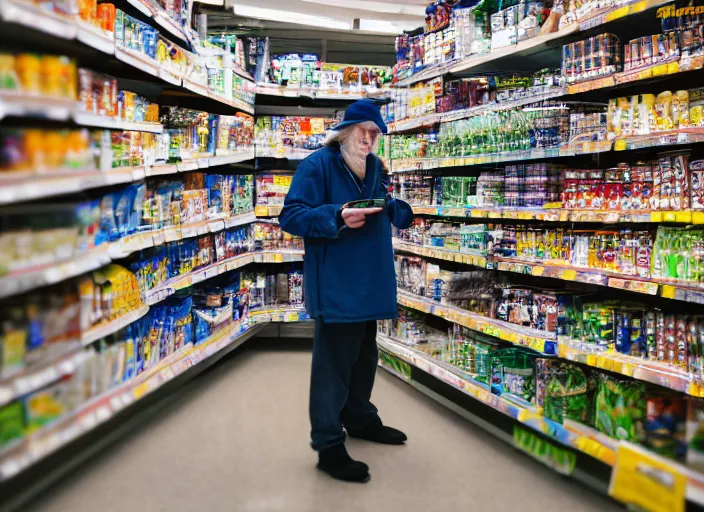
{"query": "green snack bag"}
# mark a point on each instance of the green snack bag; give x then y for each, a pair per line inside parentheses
(621, 409)
(11, 422)
(568, 395)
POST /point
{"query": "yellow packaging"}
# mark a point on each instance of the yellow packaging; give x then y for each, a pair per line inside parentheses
(28, 68)
(680, 108)
(663, 111)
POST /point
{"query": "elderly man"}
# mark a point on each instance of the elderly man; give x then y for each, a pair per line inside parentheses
(350, 281)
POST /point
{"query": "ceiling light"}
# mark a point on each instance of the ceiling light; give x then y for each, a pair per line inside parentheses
(290, 17)
(364, 5)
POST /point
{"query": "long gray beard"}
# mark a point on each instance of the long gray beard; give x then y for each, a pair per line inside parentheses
(356, 160)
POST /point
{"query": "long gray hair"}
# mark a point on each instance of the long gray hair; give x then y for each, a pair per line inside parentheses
(341, 136)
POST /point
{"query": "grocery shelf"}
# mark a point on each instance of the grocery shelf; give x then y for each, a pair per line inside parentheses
(659, 70)
(168, 288)
(23, 281)
(231, 158)
(617, 81)
(665, 375)
(528, 47)
(16, 457)
(680, 136)
(532, 46)
(284, 152)
(270, 210)
(78, 264)
(647, 286)
(540, 341)
(161, 18)
(568, 434)
(21, 104)
(583, 439)
(115, 123)
(32, 16)
(28, 381)
(18, 187)
(689, 292)
(478, 260)
(429, 120)
(92, 36)
(557, 213)
(283, 91)
(137, 60)
(138, 242)
(107, 328)
(430, 163)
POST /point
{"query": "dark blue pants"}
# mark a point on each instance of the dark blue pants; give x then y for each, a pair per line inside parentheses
(345, 358)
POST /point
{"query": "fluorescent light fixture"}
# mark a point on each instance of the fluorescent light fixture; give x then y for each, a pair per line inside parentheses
(385, 27)
(364, 5)
(290, 17)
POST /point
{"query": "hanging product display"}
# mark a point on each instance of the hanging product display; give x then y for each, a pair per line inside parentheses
(308, 72)
(281, 134)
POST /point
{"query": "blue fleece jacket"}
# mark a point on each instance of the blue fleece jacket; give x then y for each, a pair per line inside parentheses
(349, 273)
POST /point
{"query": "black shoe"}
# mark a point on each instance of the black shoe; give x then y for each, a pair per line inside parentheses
(379, 433)
(336, 462)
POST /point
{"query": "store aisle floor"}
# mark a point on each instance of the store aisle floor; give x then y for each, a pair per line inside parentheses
(237, 441)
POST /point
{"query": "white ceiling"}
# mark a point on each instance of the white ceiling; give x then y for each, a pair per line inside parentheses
(382, 16)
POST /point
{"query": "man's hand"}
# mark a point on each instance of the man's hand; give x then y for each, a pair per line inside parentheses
(355, 217)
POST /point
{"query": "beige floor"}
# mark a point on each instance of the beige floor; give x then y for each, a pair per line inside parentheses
(237, 441)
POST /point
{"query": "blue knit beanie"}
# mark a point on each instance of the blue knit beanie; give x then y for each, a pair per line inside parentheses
(361, 111)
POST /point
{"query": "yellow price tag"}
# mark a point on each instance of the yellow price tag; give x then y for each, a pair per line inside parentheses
(620, 145)
(656, 217)
(261, 211)
(617, 366)
(569, 275)
(591, 360)
(618, 13)
(538, 271)
(683, 217)
(668, 291)
(697, 217)
(641, 6)
(669, 216)
(647, 482)
(628, 369)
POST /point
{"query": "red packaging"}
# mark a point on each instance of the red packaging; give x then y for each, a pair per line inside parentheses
(696, 176)
(657, 186)
(680, 168)
(627, 196)
(613, 193)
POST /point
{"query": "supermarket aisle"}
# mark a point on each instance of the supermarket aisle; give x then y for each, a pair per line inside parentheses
(238, 442)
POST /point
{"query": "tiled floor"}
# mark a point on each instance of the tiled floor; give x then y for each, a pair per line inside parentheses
(238, 441)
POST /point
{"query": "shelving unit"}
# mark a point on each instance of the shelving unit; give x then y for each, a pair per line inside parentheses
(65, 361)
(444, 240)
(433, 374)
